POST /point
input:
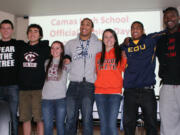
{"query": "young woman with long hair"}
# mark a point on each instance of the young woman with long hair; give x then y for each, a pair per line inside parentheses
(108, 87)
(54, 90)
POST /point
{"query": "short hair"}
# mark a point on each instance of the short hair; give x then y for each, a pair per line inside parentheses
(171, 9)
(35, 26)
(88, 20)
(138, 23)
(7, 22)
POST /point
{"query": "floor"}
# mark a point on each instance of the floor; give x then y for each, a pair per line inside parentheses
(139, 130)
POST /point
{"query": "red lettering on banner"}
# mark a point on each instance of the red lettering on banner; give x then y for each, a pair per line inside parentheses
(56, 22)
(114, 20)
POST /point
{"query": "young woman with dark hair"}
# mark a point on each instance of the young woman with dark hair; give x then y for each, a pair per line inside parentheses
(61, 55)
(108, 87)
(54, 90)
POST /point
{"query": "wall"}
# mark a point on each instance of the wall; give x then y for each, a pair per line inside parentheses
(179, 9)
(5, 15)
(21, 26)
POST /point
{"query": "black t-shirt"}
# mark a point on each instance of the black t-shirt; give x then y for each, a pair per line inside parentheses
(9, 59)
(168, 52)
(32, 71)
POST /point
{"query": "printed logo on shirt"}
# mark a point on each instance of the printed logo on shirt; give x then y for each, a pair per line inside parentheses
(30, 57)
(79, 54)
(137, 48)
(6, 56)
(53, 74)
(171, 48)
(109, 64)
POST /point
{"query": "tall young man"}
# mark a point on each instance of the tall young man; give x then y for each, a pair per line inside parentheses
(80, 94)
(31, 78)
(168, 52)
(139, 80)
(9, 50)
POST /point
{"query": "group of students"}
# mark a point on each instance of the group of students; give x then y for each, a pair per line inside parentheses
(34, 76)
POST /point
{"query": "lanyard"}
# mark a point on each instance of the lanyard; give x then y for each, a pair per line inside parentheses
(84, 48)
(84, 54)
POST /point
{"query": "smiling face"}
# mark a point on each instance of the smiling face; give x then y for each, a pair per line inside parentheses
(33, 36)
(56, 50)
(137, 31)
(86, 29)
(171, 20)
(6, 31)
(108, 40)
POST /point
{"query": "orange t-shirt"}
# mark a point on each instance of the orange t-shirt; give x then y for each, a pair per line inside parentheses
(109, 76)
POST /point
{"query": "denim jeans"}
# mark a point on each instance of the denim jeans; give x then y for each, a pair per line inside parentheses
(80, 96)
(54, 110)
(10, 94)
(108, 106)
(144, 98)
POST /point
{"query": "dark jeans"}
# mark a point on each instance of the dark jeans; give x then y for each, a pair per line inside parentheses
(54, 110)
(80, 96)
(10, 94)
(144, 98)
(108, 108)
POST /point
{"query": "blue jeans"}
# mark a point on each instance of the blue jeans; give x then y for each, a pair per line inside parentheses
(108, 106)
(80, 95)
(54, 110)
(10, 94)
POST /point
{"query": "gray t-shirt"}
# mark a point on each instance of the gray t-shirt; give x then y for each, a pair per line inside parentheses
(55, 86)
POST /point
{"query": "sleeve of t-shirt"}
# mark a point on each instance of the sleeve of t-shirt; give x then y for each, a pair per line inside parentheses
(45, 64)
(158, 48)
(19, 44)
(46, 46)
(157, 35)
(67, 66)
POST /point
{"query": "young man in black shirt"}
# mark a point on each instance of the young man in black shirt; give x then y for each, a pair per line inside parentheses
(9, 50)
(168, 52)
(31, 78)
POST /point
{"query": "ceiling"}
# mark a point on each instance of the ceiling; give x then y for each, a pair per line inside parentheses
(56, 7)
